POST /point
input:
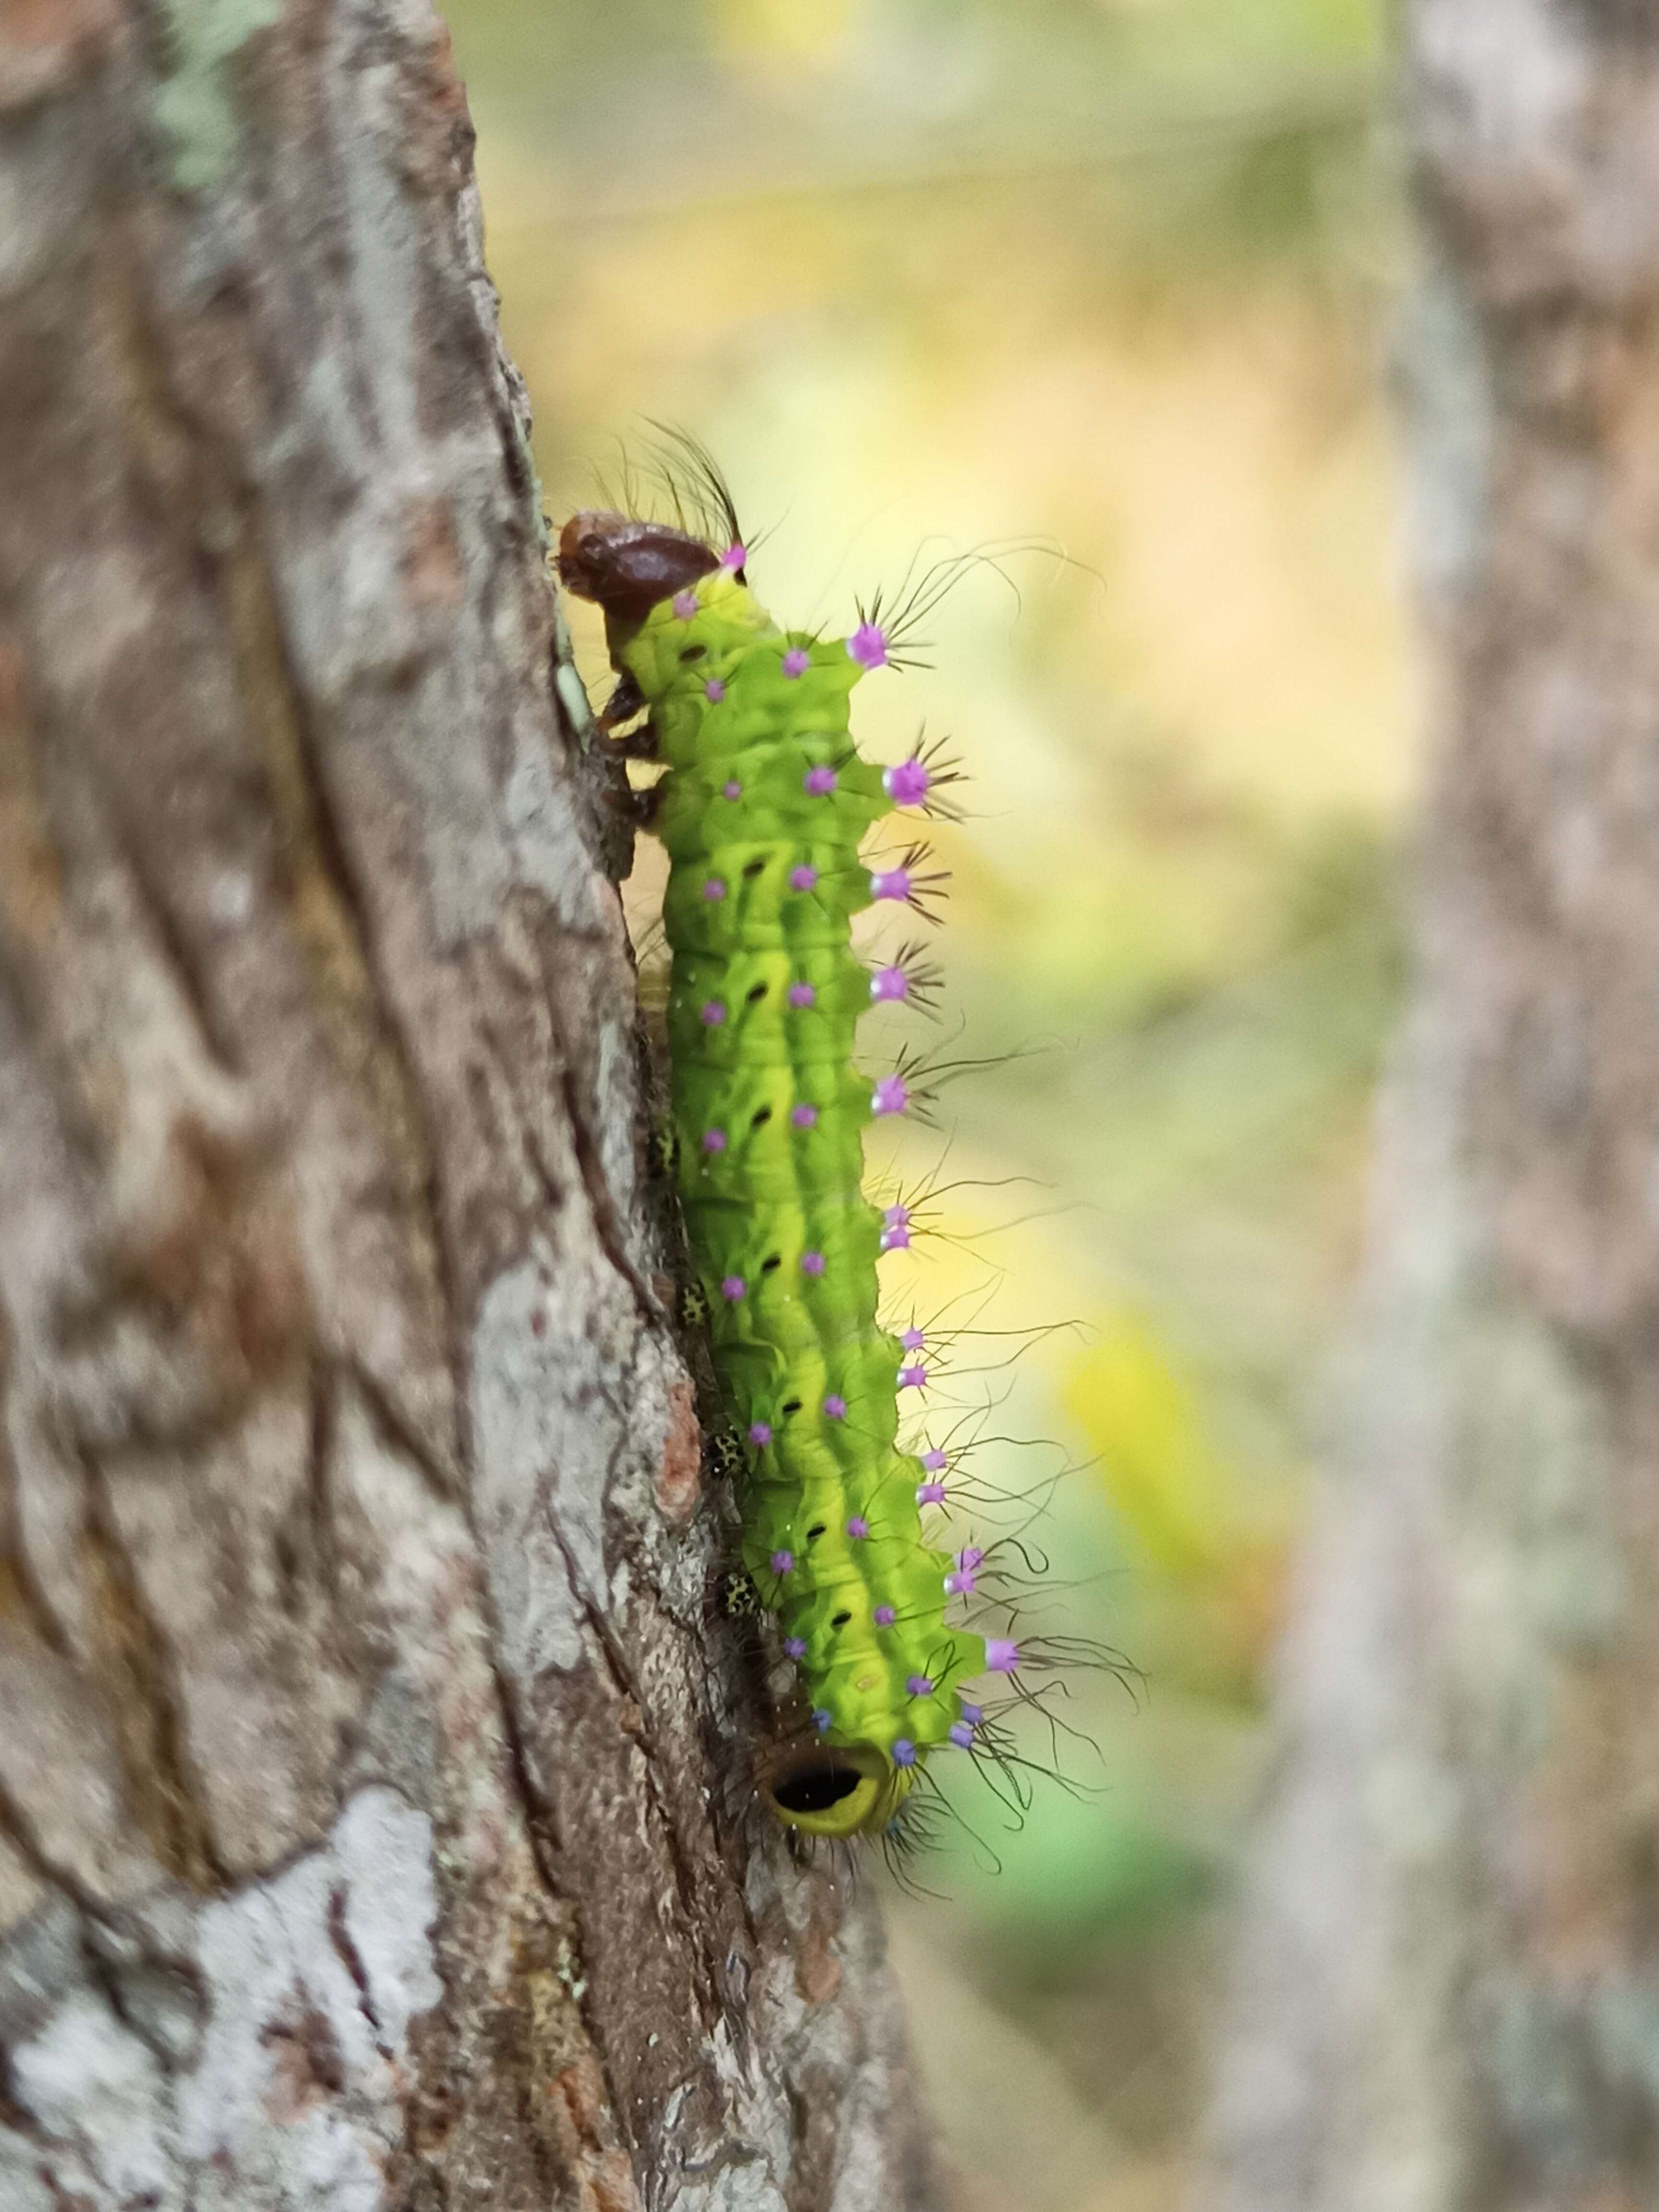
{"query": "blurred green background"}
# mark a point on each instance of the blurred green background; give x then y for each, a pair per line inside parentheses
(1112, 274)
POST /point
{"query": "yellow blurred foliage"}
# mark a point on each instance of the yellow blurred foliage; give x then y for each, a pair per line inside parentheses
(1219, 1547)
(781, 30)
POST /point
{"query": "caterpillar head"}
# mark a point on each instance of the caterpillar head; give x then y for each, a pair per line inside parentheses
(835, 1789)
(626, 566)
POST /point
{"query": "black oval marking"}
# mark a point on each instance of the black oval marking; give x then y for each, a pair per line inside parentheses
(764, 1115)
(840, 1619)
(693, 651)
(791, 1406)
(759, 991)
(754, 868)
(815, 1788)
(773, 1260)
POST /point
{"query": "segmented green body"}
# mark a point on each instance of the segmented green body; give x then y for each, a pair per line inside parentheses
(762, 810)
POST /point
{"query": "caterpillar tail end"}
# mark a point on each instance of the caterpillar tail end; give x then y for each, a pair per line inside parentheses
(835, 1789)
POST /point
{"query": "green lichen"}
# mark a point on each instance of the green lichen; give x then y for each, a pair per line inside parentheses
(194, 109)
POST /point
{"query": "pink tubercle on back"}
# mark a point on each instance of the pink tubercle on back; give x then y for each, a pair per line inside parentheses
(803, 879)
(890, 884)
(714, 691)
(906, 785)
(811, 1263)
(712, 1012)
(685, 604)
(796, 662)
(896, 1229)
(868, 645)
(913, 1377)
(891, 1096)
(930, 1493)
(714, 1140)
(760, 1434)
(1002, 1655)
(935, 1461)
(835, 1407)
(819, 782)
(802, 995)
(884, 1616)
(713, 889)
(732, 790)
(889, 984)
(804, 1116)
(734, 557)
(732, 1288)
(913, 1340)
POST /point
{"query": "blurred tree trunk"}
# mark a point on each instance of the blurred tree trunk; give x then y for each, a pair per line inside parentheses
(1448, 1994)
(374, 1823)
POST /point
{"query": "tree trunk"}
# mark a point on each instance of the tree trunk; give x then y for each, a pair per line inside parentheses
(374, 1820)
(1448, 1994)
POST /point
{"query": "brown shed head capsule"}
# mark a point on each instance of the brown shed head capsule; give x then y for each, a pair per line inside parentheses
(626, 566)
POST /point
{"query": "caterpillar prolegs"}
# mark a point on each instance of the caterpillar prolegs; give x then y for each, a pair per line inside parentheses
(763, 810)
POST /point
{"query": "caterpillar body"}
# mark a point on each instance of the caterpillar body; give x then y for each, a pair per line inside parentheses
(762, 810)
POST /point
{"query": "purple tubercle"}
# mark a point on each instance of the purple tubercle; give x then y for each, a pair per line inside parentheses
(935, 1461)
(821, 1721)
(904, 1751)
(796, 662)
(884, 1616)
(972, 1714)
(811, 1263)
(891, 1096)
(889, 884)
(734, 557)
(835, 1407)
(919, 1685)
(804, 1116)
(794, 1647)
(930, 1493)
(733, 790)
(1002, 1655)
(783, 1563)
(819, 782)
(714, 889)
(714, 1140)
(961, 1735)
(857, 1527)
(732, 1288)
(896, 1229)
(907, 784)
(868, 645)
(803, 994)
(889, 984)
(714, 691)
(803, 879)
(913, 1377)
(913, 1339)
(760, 1434)
(685, 604)
(713, 1012)
(963, 1580)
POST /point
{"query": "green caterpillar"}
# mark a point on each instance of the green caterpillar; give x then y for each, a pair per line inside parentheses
(763, 810)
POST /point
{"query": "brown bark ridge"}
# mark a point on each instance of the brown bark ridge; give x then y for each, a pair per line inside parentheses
(373, 1820)
(1448, 1994)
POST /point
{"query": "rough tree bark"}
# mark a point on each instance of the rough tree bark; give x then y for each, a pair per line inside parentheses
(1449, 1989)
(374, 1818)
